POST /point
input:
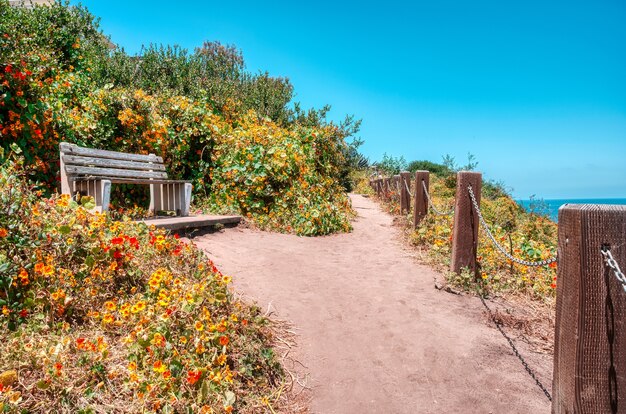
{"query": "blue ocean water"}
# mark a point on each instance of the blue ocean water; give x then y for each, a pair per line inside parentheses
(551, 207)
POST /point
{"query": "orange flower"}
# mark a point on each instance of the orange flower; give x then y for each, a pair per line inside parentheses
(159, 367)
(224, 340)
(23, 275)
(158, 340)
(3, 232)
(48, 270)
(108, 318)
(39, 267)
(193, 376)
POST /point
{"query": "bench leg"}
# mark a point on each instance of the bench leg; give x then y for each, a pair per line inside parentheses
(100, 190)
(170, 197)
(156, 203)
(186, 202)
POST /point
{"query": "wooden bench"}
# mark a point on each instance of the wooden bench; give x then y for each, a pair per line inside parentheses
(91, 172)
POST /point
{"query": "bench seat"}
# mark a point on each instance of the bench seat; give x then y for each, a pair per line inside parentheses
(91, 172)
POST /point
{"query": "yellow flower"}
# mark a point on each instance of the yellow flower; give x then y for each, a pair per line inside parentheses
(159, 367)
(110, 305)
(108, 318)
(199, 326)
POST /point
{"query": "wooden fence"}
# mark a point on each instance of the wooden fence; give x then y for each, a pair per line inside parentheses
(590, 335)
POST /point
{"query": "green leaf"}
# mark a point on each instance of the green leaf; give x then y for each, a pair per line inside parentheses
(65, 229)
(203, 392)
(229, 398)
(15, 148)
(43, 385)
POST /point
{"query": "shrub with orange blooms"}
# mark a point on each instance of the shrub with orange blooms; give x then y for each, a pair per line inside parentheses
(527, 236)
(284, 174)
(100, 316)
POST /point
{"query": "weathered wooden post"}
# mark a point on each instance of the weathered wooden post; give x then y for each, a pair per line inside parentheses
(420, 208)
(379, 187)
(405, 196)
(465, 231)
(395, 186)
(387, 188)
(590, 336)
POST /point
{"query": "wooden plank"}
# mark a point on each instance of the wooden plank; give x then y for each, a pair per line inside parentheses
(465, 230)
(180, 223)
(121, 180)
(111, 163)
(73, 149)
(111, 172)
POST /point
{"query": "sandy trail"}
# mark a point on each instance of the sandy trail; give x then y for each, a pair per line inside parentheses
(374, 333)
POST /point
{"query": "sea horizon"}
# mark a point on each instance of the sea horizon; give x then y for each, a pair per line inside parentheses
(550, 207)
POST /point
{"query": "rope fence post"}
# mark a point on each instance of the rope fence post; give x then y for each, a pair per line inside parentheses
(466, 224)
(387, 188)
(379, 187)
(420, 206)
(405, 197)
(395, 185)
(590, 334)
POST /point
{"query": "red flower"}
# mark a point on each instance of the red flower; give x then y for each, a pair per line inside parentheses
(133, 242)
(23, 313)
(193, 376)
(118, 255)
(224, 340)
(117, 240)
(8, 69)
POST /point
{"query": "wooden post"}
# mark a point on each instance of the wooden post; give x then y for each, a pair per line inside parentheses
(420, 207)
(405, 197)
(590, 334)
(395, 186)
(387, 188)
(465, 231)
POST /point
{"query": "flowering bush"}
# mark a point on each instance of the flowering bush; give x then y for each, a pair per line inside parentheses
(97, 315)
(526, 236)
(285, 176)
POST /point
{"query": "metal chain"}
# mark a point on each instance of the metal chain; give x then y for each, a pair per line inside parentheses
(430, 202)
(610, 262)
(408, 189)
(495, 242)
(514, 348)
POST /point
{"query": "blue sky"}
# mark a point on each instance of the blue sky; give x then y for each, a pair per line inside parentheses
(535, 90)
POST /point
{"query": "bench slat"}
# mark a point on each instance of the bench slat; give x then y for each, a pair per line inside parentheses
(72, 149)
(121, 180)
(112, 172)
(110, 163)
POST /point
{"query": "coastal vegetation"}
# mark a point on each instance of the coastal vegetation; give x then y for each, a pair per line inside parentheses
(104, 315)
(525, 235)
(237, 135)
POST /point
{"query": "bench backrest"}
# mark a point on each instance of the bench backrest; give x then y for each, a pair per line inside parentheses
(80, 162)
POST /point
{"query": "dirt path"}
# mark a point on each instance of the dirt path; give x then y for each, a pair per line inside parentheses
(375, 334)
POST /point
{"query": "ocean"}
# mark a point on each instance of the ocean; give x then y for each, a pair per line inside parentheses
(551, 207)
